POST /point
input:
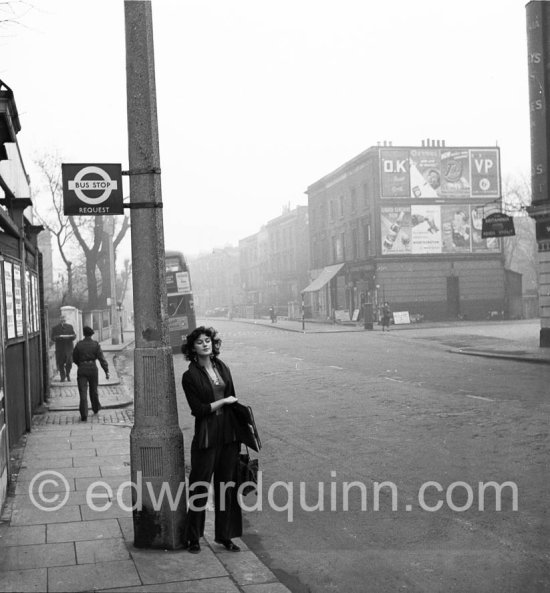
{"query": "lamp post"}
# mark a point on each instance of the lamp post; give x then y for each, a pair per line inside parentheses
(156, 441)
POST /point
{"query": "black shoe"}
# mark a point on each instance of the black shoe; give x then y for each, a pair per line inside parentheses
(68, 378)
(97, 411)
(228, 545)
(84, 420)
(194, 547)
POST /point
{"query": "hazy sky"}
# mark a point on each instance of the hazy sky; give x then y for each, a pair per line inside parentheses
(257, 99)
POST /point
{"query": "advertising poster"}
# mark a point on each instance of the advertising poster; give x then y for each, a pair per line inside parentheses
(478, 243)
(484, 167)
(455, 229)
(394, 173)
(425, 172)
(395, 225)
(18, 299)
(30, 320)
(8, 284)
(455, 172)
(426, 228)
(35, 317)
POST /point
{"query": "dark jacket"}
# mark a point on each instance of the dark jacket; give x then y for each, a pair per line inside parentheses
(200, 394)
(87, 351)
(63, 335)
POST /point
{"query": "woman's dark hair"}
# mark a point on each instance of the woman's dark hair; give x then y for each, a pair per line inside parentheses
(188, 348)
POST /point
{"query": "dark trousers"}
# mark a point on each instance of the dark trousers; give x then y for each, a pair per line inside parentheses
(87, 376)
(221, 462)
(64, 361)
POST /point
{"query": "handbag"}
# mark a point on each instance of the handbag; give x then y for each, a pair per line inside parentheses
(248, 472)
(245, 426)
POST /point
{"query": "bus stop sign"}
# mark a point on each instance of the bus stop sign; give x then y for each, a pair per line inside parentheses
(92, 189)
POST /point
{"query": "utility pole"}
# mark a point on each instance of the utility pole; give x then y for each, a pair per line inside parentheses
(538, 56)
(156, 440)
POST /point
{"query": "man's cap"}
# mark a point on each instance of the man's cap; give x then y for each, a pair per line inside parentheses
(88, 331)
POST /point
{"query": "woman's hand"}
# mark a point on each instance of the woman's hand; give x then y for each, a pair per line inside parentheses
(222, 402)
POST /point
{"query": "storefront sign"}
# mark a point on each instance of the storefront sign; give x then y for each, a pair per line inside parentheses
(497, 225)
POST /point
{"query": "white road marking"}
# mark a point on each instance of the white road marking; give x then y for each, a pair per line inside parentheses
(486, 399)
(332, 366)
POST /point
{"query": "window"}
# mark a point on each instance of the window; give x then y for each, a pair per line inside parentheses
(366, 193)
(366, 235)
(353, 195)
(354, 244)
(341, 200)
(332, 214)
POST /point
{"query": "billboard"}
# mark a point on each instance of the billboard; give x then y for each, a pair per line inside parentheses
(433, 229)
(439, 172)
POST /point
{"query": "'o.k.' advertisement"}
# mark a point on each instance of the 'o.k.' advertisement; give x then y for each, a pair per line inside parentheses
(439, 173)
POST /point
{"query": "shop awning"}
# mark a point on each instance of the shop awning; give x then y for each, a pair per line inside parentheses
(324, 277)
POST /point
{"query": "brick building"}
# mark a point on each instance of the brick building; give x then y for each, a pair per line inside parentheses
(403, 224)
(216, 279)
(274, 262)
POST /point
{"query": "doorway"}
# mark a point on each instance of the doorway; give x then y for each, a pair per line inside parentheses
(453, 297)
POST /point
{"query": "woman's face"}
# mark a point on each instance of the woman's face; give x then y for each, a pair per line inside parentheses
(203, 345)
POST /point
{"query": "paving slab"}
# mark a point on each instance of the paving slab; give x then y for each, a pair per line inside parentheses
(213, 585)
(15, 581)
(50, 461)
(82, 531)
(113, 481)
(112, 510)
(31, 515)
(87, 577)
(159, 566)
(51, 483)
(107, 460)
(37, 556)
(85, 471)
(22, 535)
(105, 550)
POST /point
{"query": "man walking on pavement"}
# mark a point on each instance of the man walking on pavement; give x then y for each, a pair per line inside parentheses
(63, 335)
(85, 353)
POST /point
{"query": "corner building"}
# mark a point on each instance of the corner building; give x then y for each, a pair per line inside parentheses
(403, 225)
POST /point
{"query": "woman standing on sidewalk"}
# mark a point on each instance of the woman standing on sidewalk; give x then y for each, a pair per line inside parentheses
(208, 387)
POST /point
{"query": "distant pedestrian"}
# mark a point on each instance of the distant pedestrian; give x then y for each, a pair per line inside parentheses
(273, 314)
(63, 335)
(85, 353)
(386, 317)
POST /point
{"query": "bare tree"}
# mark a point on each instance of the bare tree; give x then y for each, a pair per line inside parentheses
(12, 12)
(50, 213)
(95, 248)
(520, 251)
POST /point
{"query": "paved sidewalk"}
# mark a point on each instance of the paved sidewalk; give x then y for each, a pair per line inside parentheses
(51, 537)
(113, 392)
(515, 340)
(77, 548)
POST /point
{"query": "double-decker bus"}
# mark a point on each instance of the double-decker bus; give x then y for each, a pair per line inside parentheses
(180, 299)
